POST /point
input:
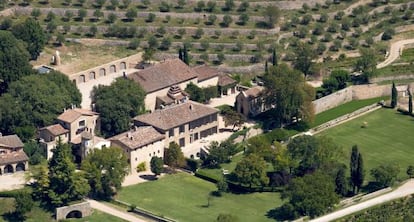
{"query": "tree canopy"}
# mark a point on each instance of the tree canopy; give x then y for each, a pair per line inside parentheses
(311, 195)
(287, 90)
(156, 165)
(117, 104)
(32, 33)
(304, 55)
(367, 64)
(174, 156)
(105, 169)
(14, 60)
(385, 174)
(62, 184)
(251, 171)
(35, 101)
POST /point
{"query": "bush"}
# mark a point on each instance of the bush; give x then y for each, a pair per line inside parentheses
(141, 167)
(192, 164)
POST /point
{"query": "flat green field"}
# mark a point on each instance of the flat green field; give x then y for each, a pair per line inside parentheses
(343, 109)
(38, 214)
(185, 198)
(386, 139)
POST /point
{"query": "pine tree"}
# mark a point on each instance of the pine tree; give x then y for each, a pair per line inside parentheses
(394, 95)
(66, 185)
(274, 58)
(410, 102)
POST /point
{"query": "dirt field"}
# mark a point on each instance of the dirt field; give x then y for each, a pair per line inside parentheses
(77, 57)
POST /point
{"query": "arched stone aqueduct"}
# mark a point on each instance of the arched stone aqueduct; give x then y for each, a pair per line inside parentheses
(105, 69)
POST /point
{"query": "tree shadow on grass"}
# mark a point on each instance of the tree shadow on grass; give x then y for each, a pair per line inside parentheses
(12, 216)
(149, 177)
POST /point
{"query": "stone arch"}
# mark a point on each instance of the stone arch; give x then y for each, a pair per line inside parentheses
(102, 72)
(122, 65)
(92, 75)
(112, 69)
(82, 78)
(74, 214)
(8, 169)
(20, 167)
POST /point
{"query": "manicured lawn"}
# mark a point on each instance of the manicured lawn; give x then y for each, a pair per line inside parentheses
(387, 139)
(227, 166)
(184, 197)
(343, 109)
(38, 214)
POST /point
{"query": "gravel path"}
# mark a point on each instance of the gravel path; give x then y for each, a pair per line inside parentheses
(404, 190)
(115, 212)
(394, 52)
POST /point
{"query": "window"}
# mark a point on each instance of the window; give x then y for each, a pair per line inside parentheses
(195, 136)
(182, 142)
(182, 128)
(82, 123)
(171, 132)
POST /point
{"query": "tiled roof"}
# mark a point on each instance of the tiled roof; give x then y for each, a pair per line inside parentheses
(162, 75)
(138, 137)
(13, 157)
(55, 129)
(73, 114)
(205, 72)
(10, 141)
(225, 80)
(176, 115)
(253, 92)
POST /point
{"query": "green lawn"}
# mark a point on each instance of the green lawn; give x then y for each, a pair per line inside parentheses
(38, 214)
(387, 139)
(343, 109)
(184, 197)
(217, 173)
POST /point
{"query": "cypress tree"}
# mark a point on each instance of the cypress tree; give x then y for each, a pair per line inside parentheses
(180, 54)
(274, 59)
(353, 165)
(410, 102)
(266, 68)
(341, 183)
(360, 173)
(186, 59)
(394, 95)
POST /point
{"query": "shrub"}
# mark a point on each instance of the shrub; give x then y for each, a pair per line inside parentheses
(141, 167)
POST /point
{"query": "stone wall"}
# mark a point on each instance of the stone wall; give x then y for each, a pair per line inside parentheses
(84, 208)
(333, 100)
(370, 91)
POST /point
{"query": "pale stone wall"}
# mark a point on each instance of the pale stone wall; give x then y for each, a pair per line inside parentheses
(144, 154)
(208, 82)
(333, 100)
(105, 69)
(370, 91)
(84, 208)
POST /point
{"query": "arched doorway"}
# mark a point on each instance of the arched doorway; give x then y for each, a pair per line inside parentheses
(74, 81)
(20, 167)
(92, 75)
(112, 69)
(82, 78)
(74, 214)
(8, 169)
(102, 72)
(123, 65)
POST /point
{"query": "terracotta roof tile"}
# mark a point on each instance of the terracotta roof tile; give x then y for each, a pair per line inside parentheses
(253, 92)
(55, 130)
(225, 80)
(205, 72)
(11, 141)
(72, 114)
(138, 137)
(13, 157)
(162, 75)
(176, 115)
